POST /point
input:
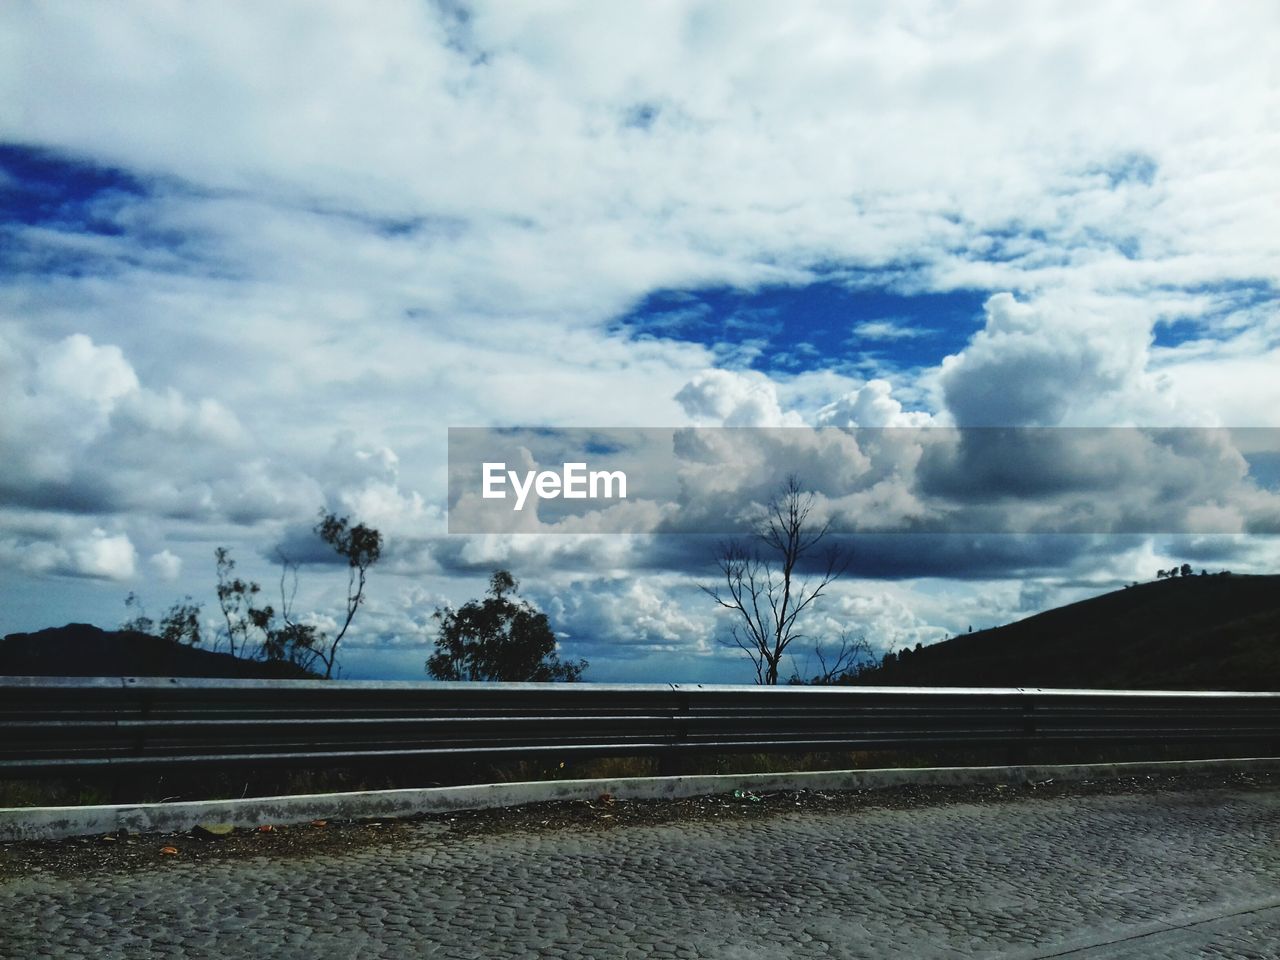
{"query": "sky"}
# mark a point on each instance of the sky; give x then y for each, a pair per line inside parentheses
(257, 259)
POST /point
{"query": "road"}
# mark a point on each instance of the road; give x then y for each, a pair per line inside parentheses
(1179, 873)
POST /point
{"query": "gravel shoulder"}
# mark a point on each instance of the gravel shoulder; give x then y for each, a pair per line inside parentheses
(1157, 869)
(124, 853)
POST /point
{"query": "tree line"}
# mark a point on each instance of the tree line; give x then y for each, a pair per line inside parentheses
(254, 630)
(496, 638)
(770, 582)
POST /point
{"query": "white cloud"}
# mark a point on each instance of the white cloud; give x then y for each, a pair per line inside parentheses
(871, 405)
(845, 134)
(75, 369)
(889, 329)
(1053, 363)
(623, 617)
(99, 555)
(1233, 388)
(167, 565)
(359, 227)
(91, 553)
(728, 399)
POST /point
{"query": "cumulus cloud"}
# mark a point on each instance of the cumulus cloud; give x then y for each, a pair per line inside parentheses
(1036, 365)
(77, 552)
(100, 555)
(232, 332)
(79, 371)
(871, 405)
(878, 479)
(82, 433)
(853, 136)
(167, 565)
(731, 399)
(627, 618)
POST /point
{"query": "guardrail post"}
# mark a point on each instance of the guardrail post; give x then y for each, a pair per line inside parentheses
(674, 761)
(1019, 754)
(120, 781)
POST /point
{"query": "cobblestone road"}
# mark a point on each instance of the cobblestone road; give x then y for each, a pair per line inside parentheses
(1176, 874)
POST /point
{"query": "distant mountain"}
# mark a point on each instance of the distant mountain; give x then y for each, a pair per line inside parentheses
(1217, 632)
(82, 650)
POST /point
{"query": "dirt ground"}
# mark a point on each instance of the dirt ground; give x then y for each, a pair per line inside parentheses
(125, 852)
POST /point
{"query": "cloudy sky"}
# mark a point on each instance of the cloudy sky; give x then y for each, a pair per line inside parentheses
(256, 259)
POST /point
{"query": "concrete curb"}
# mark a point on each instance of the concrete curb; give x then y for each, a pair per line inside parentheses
(54, 823)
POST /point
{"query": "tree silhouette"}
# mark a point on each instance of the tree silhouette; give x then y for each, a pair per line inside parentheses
(761, 584)
(498, 638)
(253, 631)
(236, 599)
(853, 654)
(180, 624)
(361, 547)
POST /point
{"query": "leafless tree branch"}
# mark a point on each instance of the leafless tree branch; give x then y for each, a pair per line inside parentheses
(760, 583)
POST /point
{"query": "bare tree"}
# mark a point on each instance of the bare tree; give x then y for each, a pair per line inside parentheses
(299, 643)
(834, 664)
(236, 600)
(361, 547)
(293, 641)
(761, 583)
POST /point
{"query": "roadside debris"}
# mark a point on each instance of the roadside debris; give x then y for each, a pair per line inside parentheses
(120, 851)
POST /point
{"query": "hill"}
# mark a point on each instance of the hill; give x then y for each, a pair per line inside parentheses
(1217, 632)
(82, 650)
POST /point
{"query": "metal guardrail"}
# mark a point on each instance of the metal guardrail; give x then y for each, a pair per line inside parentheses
(52, 726)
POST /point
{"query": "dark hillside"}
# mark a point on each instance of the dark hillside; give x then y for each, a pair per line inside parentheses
(82, 650)
(1198, 632)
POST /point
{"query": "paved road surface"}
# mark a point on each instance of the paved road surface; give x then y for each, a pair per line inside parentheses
(1177, 874)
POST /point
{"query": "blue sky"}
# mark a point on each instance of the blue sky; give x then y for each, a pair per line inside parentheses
(45, 189)
(828, 324)
(256, 261)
